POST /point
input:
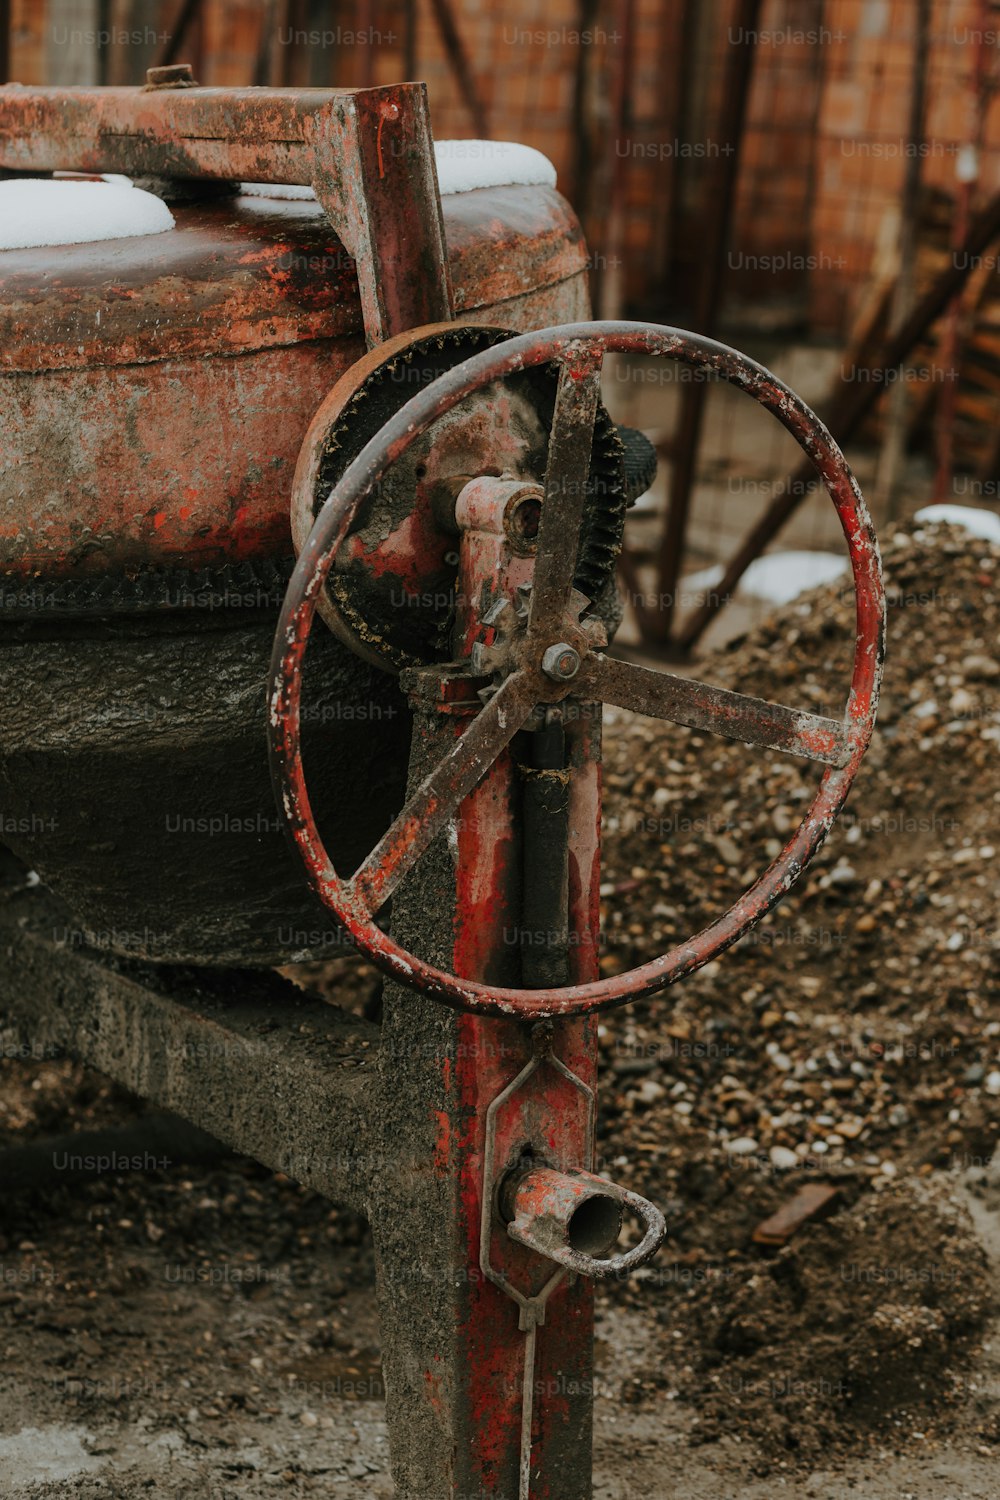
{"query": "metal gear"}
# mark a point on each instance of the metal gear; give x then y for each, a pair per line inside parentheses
(391, 597)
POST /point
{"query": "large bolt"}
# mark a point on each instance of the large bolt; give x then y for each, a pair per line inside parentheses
(172, 76)
(560, 662)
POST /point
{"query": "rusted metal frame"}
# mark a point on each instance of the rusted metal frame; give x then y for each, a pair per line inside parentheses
(545, 806)
(655, 622)
(436, 801)
(566, 475)
(526, 1115)
(848, 408)
(314, 564)
(458, 59)
(462, 1366)
(368, 154)
(699, 705)
(273, 1072)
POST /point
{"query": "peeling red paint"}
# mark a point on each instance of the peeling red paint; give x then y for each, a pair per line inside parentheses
(328, 533)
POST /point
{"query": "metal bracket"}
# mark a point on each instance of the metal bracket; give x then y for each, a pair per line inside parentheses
(531, 1304)
(367, 153)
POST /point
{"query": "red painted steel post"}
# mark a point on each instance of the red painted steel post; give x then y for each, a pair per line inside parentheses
(454, 1353)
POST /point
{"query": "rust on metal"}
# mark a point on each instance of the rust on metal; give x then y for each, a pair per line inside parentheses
(380, 193)
(171, 76)
(182, 371)
(814, 1200)
(574, 1218)
(699, 705)
(805, 735)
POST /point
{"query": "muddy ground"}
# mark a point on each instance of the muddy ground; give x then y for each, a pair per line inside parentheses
(207, 1330)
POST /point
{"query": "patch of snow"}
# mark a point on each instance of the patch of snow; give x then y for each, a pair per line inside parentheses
(701, 582)
(981, 523)
(464, 165)
(276, 190)
(778, 577)
(47, 211)
(461, 166)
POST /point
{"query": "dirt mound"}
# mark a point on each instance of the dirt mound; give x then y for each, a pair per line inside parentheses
(853, 1328)
(852, 1038)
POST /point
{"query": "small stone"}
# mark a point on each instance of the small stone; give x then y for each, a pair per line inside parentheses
(979, 668)
(743, 1145)
(770, 1019)
(992, 1084)
(308, 1419)
(866, 923)
(974, 1075)
(782, 1159)
(728, 849)
(888, 1168)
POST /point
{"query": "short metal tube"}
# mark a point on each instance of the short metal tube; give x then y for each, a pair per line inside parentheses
(558, 1212)
(574, 1219)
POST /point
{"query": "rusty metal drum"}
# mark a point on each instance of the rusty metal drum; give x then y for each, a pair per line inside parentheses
(154, 396)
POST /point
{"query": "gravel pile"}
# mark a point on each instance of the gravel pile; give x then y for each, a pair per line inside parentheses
(853, 1038)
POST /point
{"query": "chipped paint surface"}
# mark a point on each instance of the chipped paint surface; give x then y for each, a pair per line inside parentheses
(328, 533)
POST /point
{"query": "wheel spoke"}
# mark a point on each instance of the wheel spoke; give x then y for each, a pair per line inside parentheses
(441, 793)
(571, 443)
(754, 721)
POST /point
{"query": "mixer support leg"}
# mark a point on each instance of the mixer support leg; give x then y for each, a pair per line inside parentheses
(455, 1357)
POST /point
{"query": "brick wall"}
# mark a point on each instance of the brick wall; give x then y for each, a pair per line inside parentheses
(823, 157)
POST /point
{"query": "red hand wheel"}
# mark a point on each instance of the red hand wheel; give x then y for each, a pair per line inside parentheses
(555, 657)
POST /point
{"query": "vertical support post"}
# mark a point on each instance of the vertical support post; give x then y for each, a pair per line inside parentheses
(374, 172)
(655, 623)
(367, 153)
(454, 1355)
(897, 404)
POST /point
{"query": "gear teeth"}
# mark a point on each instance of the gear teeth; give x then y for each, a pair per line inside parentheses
(606, 493)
